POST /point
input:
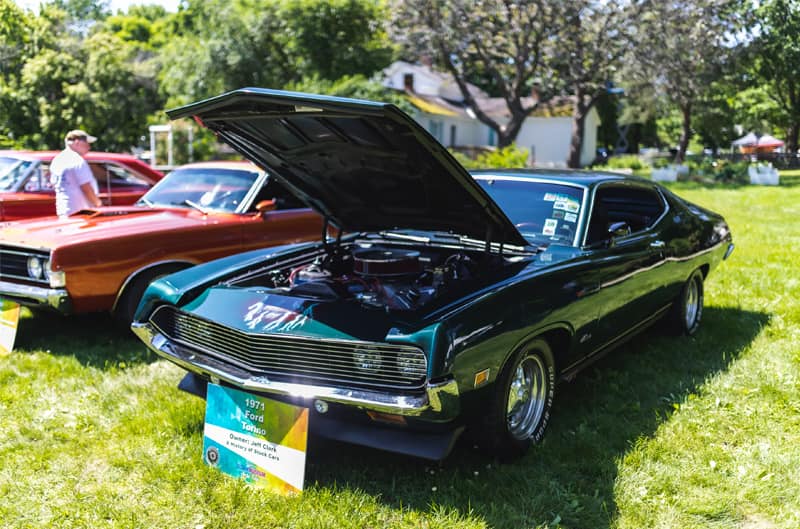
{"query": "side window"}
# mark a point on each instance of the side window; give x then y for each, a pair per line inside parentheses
(115, 176)
(273, 190)
(122, 176)
(639, 207)
(39, 180)
(100, 174)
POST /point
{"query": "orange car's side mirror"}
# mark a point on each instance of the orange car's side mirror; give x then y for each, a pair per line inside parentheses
(267, 205)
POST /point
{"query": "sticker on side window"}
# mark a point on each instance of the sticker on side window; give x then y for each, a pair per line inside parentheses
(550, 226)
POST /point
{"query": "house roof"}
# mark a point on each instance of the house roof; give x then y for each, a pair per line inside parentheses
(560, 106)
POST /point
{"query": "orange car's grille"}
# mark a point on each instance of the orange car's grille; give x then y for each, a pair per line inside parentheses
(14, 263)
(298, 359)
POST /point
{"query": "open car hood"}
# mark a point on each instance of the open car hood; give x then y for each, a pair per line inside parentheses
(366, 166)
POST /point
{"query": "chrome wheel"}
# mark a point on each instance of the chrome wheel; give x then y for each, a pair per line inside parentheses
(692, 303)
(527, 397)
(687, 309)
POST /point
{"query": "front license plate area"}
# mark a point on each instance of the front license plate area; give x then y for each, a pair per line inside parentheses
(255, 438)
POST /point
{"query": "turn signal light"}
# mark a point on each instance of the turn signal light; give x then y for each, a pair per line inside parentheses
(387, 417)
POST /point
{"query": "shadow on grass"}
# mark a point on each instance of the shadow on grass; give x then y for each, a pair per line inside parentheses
(790, 180)
(93, 339)
(570, 476)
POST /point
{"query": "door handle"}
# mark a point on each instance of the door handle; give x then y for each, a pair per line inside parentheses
(658, 245)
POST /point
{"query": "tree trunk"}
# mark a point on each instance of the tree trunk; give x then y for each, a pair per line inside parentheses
(686, 133)
(507, 134)
(791, 138)
(576, 141)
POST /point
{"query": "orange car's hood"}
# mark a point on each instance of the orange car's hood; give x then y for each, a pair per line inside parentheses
(102, 223)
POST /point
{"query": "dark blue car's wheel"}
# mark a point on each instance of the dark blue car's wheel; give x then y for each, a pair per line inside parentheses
(687, 310)
(522, 401)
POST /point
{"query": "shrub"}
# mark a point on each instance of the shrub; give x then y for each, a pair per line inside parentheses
(507, 157)
(718, 170)
(626, 161)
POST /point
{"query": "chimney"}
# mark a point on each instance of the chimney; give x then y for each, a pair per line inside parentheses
(408, 82)
(536, 91)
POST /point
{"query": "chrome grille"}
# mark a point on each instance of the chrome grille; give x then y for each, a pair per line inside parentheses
(299, 359)
(14, 263)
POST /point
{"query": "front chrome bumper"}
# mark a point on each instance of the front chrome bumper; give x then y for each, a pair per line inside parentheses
(32, 296)
(439, 402)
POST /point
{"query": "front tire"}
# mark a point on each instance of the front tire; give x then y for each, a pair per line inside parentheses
(522, 400)
(129, 301)
(687, 310)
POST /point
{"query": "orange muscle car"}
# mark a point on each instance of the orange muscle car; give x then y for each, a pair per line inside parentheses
(102, 259)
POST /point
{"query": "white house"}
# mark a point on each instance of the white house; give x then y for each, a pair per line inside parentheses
(440, 106)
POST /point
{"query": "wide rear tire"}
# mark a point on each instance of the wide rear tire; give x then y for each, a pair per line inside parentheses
(687, 309)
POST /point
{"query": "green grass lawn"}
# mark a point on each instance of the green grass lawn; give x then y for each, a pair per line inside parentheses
(665, 432)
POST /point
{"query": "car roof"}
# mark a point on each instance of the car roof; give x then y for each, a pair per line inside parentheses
(222, 164)
(583, 178)
(49, 155)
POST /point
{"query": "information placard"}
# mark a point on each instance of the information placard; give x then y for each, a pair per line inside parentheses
(257, 439)
(9, 319)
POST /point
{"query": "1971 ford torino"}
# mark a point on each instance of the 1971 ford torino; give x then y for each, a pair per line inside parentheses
(449, 300)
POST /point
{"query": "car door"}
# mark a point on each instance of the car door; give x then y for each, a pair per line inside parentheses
(626, 281)
(275, 217)
(117, 185)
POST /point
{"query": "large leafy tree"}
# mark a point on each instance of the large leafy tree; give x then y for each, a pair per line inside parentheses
(681, 48)
(65, 78)
(775, 52)
(593, 39)
(219, 45)
(503, 42)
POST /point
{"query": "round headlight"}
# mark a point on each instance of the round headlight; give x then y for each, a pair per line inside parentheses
(46, 269)
(367, 358)
(34, 267)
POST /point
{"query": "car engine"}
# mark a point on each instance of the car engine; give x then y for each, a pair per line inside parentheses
(379, 277)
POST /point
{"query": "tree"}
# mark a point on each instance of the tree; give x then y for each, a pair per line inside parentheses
(220, 45)
(337, 38)
(775, 53)
(681, 47)
(592, 42)
(503, 41)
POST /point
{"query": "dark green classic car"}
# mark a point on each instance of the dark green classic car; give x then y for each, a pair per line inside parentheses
(436, 299)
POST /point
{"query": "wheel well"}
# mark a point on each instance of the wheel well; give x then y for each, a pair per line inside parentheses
(704, 270)
(151, 271)
(559, 340)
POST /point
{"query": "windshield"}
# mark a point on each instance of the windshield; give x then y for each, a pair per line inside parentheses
(205, 188)
(12, 171)
(542, 212)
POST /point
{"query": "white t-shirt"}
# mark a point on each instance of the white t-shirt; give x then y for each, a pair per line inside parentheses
(68, 172)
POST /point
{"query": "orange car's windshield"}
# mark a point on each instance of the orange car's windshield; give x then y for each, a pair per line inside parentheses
(212, 189)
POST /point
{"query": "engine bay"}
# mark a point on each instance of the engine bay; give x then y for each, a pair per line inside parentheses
(385, 277)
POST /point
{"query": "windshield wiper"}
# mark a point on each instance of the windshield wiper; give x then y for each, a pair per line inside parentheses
(196, 206)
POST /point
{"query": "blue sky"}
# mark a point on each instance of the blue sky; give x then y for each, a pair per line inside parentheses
(115, 5)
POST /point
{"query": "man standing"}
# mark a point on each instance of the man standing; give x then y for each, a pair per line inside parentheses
(71, 176)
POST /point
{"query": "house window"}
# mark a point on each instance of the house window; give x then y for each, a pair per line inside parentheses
(492, 140)
(436, 128)
(452, 135)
